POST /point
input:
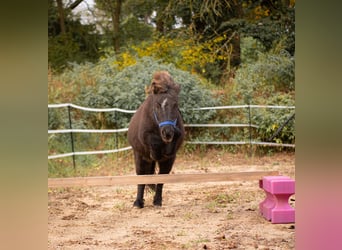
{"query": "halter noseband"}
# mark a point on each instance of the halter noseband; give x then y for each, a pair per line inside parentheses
(165, 123)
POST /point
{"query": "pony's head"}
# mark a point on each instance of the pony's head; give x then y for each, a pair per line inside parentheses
(165, 104)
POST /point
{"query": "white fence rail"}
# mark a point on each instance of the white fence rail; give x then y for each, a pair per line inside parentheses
(245, 106)
(65, 131)
(63, 105)
(250, 142)
(89, 152)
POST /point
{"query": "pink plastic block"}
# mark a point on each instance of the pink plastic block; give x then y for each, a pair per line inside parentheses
(268, 204)
(275, 206)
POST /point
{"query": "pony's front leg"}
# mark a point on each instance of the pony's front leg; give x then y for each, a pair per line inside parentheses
(142, 167)
(164, 168)
(139, 202)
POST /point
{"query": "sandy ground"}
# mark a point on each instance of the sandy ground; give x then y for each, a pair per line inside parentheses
(213, 215)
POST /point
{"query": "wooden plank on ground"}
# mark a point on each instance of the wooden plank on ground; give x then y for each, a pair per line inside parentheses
(153, 179)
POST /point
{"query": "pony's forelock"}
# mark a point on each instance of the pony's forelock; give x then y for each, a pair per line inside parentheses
(162, 82)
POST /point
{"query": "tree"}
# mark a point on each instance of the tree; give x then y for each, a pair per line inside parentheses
(61, 16)
(112, 8)
(61, 12)
(270, 21)
(68, 39)
(128, 22)
(202, 21)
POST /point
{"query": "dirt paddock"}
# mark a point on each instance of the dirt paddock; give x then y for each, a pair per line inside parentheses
(212, 215)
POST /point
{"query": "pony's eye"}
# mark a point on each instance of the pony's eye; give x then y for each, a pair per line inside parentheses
(158, 105)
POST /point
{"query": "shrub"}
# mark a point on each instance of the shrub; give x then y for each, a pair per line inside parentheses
(126, 90)
(54, 121)
(255, 82)
(267, 78)
(269, 120)
(250, 50)
(204, 58)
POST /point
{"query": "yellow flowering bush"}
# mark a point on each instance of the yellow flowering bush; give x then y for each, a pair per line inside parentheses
(201, 54)
(185, 54)
(163, 48)
(124, 60)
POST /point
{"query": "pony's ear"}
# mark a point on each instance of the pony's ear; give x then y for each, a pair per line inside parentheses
(177, 88)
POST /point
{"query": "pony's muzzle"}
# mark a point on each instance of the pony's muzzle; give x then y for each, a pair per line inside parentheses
(167, 133)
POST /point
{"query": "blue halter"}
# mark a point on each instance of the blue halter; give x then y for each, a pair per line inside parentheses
(165, 123)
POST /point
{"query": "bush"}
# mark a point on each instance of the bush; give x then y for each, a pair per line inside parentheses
(54, 121)
(269, 120)
(273, 72)
(187, 54)
(266, 78)
(126, 90)
(250, 50)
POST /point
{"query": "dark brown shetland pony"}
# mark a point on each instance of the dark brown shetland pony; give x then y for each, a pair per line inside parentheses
(156, 132)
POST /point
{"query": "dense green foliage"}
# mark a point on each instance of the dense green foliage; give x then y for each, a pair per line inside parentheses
(263, 75)
(126, 90)
(266, 78)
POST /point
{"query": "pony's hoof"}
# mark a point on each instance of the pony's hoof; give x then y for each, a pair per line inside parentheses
(157, 206)
(138, 204)
(157, 203)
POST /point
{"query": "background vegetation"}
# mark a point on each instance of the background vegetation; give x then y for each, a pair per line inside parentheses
(221, 52)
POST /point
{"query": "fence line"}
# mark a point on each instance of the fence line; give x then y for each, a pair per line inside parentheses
(211, 125)
(61, 105)
(250, 142)
(65, 131)
(241, 143)
(89, 152)
(188, 142)
(245, 106)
